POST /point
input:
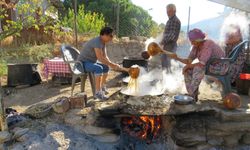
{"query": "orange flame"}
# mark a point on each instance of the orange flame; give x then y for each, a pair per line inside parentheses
(143, 127)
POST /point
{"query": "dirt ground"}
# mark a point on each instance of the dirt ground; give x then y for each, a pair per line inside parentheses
(52, 133)
(21, 97)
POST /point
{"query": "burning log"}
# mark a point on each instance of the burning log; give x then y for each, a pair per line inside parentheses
(142, 127)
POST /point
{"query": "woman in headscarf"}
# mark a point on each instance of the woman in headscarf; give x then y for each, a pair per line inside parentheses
(202, 49)
(232, 38)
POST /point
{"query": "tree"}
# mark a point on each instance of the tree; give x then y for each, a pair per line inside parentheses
(87, 22)
(30, 14)
(133, 20)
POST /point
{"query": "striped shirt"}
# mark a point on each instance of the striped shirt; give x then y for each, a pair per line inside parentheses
(172, 30)
(208, 50)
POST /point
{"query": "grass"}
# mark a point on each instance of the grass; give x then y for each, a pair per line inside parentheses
(24, 54)
(3, 68)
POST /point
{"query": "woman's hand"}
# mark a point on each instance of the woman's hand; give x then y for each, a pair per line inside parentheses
(173, 56)
(186, 68)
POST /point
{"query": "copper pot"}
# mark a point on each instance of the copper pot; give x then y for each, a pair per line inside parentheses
(154, 49)
(232, 101)
(134, 72)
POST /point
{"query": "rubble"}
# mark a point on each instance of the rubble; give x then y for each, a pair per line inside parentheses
(18, 132)
(93, 130)
(5, 136)
(72, 119)
(107, 138)
(204, 125)
(78, 101)
(61, 105)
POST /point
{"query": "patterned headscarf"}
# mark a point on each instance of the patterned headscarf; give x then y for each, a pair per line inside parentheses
(196, 35)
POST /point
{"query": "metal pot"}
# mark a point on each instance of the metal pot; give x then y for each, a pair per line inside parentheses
(130, 61)
(23, 74)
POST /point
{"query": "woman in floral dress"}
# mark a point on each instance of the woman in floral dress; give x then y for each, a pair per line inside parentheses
(202, 49)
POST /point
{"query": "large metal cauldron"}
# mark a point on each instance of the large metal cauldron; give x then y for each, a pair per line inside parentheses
(130, 61)
(23, 74)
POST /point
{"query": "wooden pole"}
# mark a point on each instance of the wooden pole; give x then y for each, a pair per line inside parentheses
(75, 22)
(188, 26)
(3, 123)
(117, 18)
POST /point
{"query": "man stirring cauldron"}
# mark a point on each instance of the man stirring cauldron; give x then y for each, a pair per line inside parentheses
(93, 51)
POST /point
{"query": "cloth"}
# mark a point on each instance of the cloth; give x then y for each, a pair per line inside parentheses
(193, 79)
(169, 41)
(88, 52)
(230, 46)
(234, 68)
(196, 35)
(56, 67)
(97, 68)
(237, 66)
(208, 50)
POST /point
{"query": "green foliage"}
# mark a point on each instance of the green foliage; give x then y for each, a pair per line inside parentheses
(87, 22)
(133, 20)
(29, 15)
(3, 68)
(26, 54)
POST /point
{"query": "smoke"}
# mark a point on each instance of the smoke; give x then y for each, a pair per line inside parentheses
(156, 81)
(233, 23)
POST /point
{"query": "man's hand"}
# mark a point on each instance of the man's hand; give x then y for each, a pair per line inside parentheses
(124, 69)
(119, 68)
(115, 66)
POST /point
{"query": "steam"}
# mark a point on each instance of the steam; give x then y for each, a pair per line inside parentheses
(157, 81)
(234, 22)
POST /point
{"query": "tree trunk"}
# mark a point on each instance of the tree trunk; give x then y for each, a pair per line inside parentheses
(3, 123)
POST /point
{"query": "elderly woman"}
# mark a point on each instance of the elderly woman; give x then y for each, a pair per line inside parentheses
(202, 49)
(232, 38)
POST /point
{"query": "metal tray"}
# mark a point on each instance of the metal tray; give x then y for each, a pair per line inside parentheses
(183, 99)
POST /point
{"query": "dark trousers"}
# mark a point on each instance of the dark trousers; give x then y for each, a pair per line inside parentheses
(165, 60)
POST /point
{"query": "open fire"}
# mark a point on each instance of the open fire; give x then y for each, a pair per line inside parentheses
(142, 127)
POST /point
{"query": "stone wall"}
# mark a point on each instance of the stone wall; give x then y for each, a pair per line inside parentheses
(206, 130)
(116, 51)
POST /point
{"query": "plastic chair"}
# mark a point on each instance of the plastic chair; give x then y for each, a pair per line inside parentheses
(220, 67)
(70, 55)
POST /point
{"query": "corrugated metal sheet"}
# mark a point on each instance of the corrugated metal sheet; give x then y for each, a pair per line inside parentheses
(238, 4)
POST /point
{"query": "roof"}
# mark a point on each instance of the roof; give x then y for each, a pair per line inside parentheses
(243, 5)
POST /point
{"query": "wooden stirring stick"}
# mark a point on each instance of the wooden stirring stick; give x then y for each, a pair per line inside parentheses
(154, 49)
